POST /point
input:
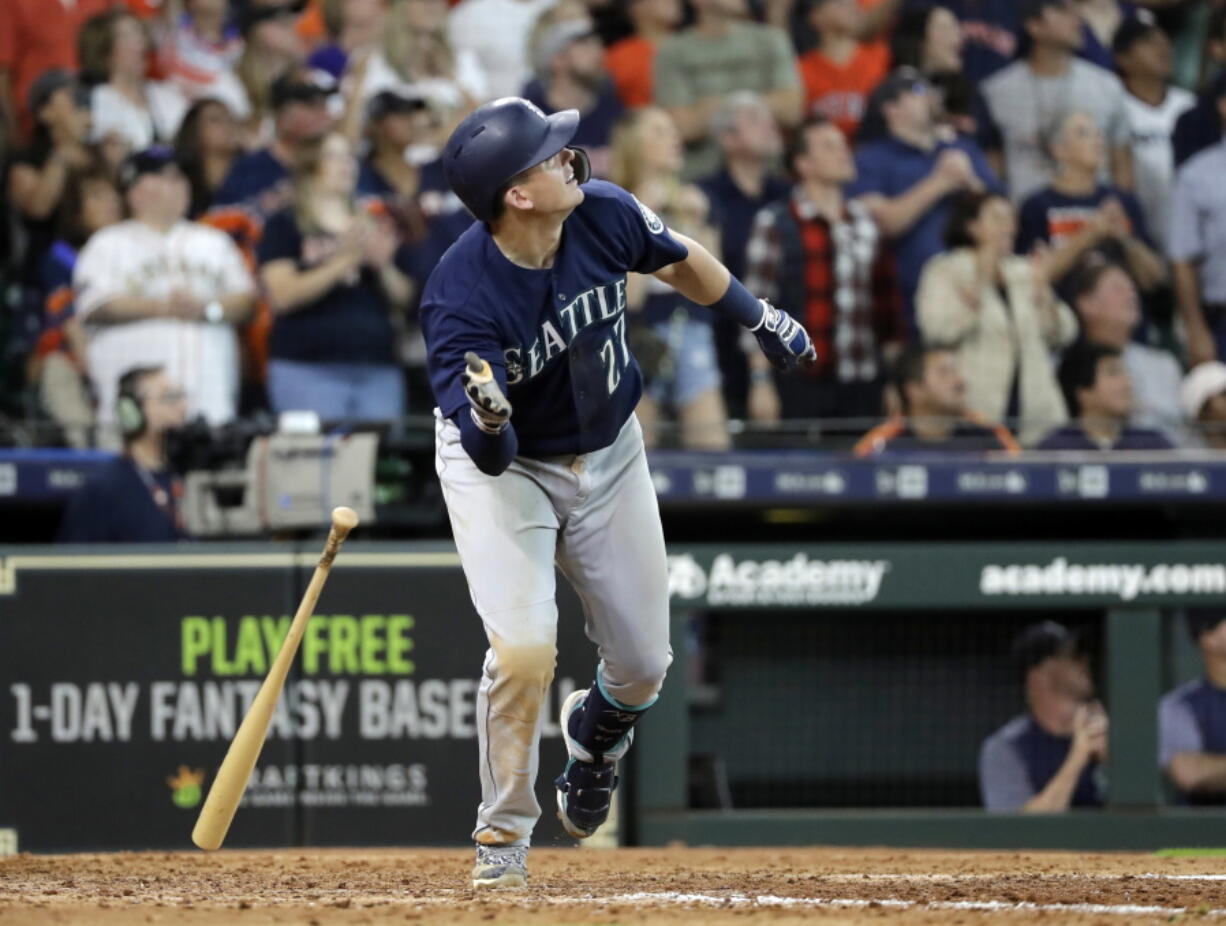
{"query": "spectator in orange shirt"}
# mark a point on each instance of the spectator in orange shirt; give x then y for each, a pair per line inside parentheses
(841, 71)
(36, 36)
(631, 61)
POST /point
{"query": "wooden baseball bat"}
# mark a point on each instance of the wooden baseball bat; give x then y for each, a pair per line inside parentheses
(231, 779)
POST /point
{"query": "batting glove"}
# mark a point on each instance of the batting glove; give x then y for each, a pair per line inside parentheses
(783, 340)
(490, 409)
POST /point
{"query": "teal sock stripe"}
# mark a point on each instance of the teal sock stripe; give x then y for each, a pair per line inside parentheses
(617, 704)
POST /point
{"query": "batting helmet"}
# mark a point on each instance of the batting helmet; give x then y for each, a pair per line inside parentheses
(501, 139)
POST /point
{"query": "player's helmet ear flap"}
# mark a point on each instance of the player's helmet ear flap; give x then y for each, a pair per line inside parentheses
(583, 164)
(131, 415)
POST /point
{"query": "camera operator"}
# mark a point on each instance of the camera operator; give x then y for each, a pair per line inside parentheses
(135, 498)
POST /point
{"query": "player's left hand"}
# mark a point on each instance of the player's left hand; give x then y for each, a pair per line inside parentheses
(783, 340)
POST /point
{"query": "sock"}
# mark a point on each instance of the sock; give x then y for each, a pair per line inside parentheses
(603, 723)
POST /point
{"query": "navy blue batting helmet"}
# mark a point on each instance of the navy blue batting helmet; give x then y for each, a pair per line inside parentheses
(499, 140)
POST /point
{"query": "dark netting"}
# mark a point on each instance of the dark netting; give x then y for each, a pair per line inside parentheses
(851, 709)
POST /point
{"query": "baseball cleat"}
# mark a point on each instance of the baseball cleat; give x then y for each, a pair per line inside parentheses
(585, 788)
(501, 867)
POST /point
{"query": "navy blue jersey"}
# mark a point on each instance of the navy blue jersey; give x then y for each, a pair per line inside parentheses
(555, 338)
(1073, 437)
(118, 506)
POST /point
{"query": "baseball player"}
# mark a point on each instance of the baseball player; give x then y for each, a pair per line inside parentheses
(541, 458)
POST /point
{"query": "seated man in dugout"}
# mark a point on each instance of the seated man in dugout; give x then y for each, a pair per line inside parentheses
(930, 388)
(1192, 718)
(1047, 759)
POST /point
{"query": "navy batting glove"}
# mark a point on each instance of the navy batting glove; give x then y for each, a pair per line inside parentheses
(784, 341)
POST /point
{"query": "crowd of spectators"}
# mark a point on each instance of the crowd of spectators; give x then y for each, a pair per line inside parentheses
(1001, 221)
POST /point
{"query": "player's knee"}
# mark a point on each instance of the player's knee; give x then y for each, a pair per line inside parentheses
(530, 660)
(637, 680)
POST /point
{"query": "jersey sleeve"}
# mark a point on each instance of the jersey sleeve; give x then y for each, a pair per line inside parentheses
(1003, 782)
(1186, 231)
(983, 170)
(784, 73)
(450, 331)
(644, 242)
(870, 174)
(1177, 730)
(235, 277)
(97, 278)
(672, 85)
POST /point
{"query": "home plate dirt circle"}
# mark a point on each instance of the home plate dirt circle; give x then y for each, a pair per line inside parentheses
(679, 885)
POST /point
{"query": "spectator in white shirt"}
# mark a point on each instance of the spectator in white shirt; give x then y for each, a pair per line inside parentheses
(160, 290)
(198, 54)
(129, 112)
(496, 33)
(1027, 99)
(416, 57)
(1143, 55)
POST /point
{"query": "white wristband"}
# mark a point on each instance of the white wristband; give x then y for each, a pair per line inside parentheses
(486, 426)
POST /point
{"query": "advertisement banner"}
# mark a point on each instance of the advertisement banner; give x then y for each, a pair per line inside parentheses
(125, 676)
(935, 576)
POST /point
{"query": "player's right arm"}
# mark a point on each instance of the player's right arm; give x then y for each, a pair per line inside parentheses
(702, 279)
(455, 330)
(485, 432)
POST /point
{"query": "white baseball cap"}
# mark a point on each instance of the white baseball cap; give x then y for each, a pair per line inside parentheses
(1202, 383)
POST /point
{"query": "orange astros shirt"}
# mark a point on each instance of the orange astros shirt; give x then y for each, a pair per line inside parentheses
(630, 63)
(840, 92)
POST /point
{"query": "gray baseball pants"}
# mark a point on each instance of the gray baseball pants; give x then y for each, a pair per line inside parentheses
(596, 517)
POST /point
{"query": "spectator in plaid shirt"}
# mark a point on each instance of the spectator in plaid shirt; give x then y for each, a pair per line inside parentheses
(825, 258)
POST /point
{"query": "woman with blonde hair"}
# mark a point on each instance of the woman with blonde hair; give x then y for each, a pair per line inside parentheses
(272, 48)
(1001, 315)
(676, 346)
(327, 265)
(416, 57)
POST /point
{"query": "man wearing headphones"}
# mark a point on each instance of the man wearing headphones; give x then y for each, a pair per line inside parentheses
(135, 498)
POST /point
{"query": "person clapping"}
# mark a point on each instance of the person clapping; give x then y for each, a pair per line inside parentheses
(327, 266)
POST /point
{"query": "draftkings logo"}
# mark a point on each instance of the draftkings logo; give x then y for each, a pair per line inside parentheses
(796, 581)
(185, 787)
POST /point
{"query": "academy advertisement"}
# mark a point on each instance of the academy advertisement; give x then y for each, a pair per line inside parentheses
(117, 708)
(940, 576)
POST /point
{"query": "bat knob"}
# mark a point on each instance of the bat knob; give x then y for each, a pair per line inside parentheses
(475, 364)
(345, 519)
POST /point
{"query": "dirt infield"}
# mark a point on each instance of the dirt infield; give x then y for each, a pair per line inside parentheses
(671, 886)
